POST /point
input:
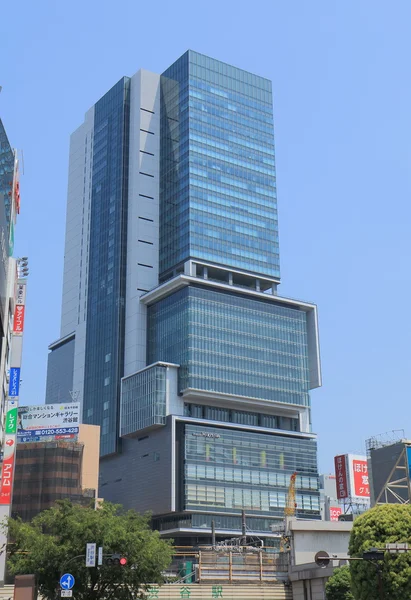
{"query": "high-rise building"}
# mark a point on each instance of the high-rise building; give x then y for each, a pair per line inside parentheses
(173, 336)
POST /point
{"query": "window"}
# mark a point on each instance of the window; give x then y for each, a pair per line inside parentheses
(107, 381)
(108, 357)
(106, 405)
(156, 456)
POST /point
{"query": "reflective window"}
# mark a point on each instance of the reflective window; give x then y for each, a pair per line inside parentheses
(143, 400)
(218, 184)
(106, 287)
(229, 469)
(233, 345)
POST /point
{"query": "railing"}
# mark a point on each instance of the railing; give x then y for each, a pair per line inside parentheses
(232, 565)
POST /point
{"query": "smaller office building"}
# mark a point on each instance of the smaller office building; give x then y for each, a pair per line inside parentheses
(47, 471)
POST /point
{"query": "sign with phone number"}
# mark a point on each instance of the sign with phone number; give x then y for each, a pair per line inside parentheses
(46, 432)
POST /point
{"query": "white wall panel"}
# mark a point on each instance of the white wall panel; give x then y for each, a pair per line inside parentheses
(144, 93)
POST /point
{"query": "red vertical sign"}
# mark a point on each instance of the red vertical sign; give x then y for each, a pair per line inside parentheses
(7, 472)
(18, 322)
(341, 476)
(361, 482)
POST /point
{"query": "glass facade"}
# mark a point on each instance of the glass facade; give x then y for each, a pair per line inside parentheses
(106, 269)
(218, 183)
(143, 400)
(6, 171)
(228, 471)
(231, 344)
(60, 367)
(244, 417)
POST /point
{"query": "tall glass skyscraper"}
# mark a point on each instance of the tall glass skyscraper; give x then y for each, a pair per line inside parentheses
(173, 334)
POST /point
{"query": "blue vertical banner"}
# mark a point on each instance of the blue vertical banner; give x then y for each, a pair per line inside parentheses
(409, 460)
(14, 382)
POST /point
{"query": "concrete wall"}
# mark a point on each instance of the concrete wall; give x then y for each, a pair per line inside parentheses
(90, 436)
(143, 212)
(308, 537)
(138, 477)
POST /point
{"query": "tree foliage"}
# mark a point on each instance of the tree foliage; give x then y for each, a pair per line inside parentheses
(388, 523)
(46, 546)
(338, 587)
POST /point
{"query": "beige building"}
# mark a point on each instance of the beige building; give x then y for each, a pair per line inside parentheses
(55, 470)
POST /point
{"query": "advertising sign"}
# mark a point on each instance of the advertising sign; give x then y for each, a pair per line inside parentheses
(341, 476)
(335, 512)
(48, 422)
(14, 382)
(351, 471)
(11, 417)
(360, 475)
(409, 460)
(9, 450)
(18, 322)
(21, 294)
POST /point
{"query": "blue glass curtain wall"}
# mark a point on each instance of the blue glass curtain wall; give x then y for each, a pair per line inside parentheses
(106, 273)
(218, 183)
(228, 471)
(231, 344)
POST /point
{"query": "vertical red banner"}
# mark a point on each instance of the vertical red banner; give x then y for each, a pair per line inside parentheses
(341, 476)
(18, 322)
(361, 481)
(7, 475)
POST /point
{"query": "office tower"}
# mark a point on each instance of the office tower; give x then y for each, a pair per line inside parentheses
(173, 336)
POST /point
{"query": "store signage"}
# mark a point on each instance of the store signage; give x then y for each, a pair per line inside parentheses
(18, 322)
(14, 382)
(341, 476)
(361, 481)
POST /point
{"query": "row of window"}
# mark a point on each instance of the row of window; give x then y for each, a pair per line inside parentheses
(242, 417)
(202, 496)
(232, 116)
(255, 477)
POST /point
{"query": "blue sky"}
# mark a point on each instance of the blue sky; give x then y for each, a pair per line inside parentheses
(342, 95)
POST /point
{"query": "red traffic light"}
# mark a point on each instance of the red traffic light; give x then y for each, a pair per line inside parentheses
(123, 561)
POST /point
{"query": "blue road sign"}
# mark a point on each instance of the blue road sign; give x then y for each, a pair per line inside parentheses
(67, 581)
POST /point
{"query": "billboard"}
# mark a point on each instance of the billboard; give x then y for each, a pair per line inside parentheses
(18, 322)
(14, 382)
(48, 422)
(360, 476)
(341, 476)
(335, 512)
(351, 472)
(9, 452)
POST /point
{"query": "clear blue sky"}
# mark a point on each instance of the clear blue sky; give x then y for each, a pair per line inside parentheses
(342, 93)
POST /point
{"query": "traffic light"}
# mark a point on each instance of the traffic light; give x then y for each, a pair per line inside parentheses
(374, 554)
(115, 560)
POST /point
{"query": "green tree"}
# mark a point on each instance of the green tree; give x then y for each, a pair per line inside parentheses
(46, 546)
(387, 523)
(338, 587)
